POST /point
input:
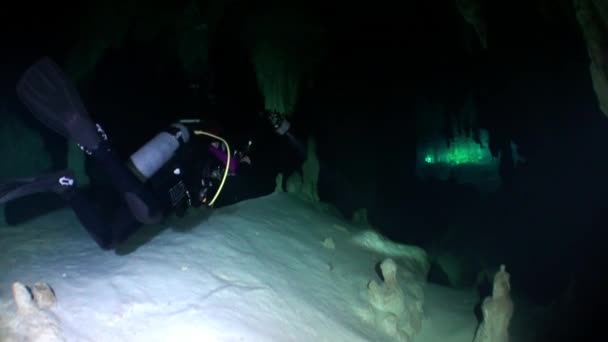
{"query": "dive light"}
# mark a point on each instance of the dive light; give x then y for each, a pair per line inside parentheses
(279, 123)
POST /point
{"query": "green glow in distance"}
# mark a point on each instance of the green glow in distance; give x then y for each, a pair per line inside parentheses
(462, 151)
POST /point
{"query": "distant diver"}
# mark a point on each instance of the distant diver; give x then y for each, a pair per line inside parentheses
(184, 166)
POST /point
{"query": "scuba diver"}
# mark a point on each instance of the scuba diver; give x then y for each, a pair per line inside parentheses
(184, 166)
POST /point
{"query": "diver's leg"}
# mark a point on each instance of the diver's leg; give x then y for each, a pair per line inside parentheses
(54, 100)
(106, 233)
(123, 225)
(63, 184)
(90, 218)
(57, 182)
(30, 197)
(139, 198)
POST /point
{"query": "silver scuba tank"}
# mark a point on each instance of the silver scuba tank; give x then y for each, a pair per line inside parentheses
(148, 159)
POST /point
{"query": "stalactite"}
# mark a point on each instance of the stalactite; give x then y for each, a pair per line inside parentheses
(109, 24)
(286, 46)
(278, 77)
(592, 16)
(103, 26)
(471, 11)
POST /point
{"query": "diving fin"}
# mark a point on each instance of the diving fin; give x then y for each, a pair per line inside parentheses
(53, 99)
(57, 182)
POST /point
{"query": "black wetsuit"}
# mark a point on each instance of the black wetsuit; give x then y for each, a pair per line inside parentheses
(172, 189)
(54, 100)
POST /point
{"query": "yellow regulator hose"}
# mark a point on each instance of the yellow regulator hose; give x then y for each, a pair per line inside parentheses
(228, 157)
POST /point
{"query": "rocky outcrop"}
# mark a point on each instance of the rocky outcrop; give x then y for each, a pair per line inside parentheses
(32, 321)
(392, 310)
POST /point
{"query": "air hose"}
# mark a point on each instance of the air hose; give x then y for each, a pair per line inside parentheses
(227, 168)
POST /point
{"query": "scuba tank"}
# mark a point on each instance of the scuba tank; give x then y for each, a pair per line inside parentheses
(148, 159)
